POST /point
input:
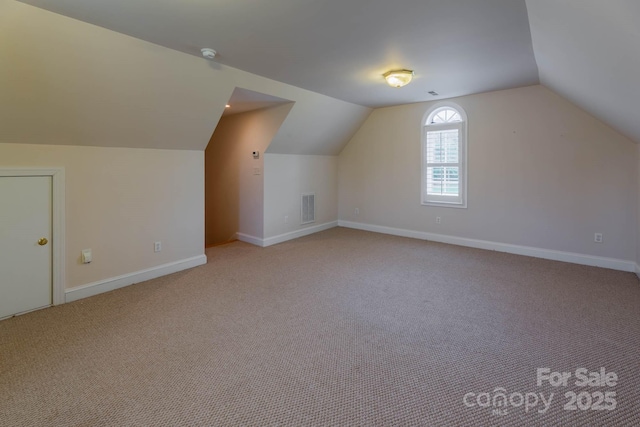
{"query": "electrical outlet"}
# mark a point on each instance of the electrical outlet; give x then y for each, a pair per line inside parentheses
(356, 211)
(286, 219)
(157, 246)
(438, 220)
(598, 238)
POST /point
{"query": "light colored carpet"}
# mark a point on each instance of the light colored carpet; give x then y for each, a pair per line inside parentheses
(339, 328)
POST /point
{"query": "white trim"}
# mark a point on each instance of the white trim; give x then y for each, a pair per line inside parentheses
(595, 261)
(58, 275)
(101, 286)
(250, 239)
(464, 144)
(59, 233)
(440, 104)
(270, 241)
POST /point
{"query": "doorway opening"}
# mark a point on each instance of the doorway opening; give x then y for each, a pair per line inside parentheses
(234, 166)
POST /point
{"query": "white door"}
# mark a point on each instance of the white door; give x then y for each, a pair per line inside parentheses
(25, 243)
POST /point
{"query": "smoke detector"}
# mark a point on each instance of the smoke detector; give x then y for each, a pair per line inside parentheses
(208, 53)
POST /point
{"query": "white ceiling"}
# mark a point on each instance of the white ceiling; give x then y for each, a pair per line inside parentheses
(589, 52)
(245, 100)
(66, 82)
(586, 50)
(339, 48)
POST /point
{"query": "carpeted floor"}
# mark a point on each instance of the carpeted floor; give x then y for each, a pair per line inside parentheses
(341, 328)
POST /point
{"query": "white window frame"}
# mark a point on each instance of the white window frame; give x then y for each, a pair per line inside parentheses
(462, 126)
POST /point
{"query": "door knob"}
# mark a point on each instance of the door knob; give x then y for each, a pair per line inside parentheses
(43, 241)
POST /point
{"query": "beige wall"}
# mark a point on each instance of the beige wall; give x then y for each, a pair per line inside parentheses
(234, 194)
(287, 177)
(542, 173)
(119, 201)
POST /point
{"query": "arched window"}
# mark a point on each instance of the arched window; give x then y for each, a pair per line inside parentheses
(444, 156)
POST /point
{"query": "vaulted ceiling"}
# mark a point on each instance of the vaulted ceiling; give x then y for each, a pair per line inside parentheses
(586, 50)
(339, 48)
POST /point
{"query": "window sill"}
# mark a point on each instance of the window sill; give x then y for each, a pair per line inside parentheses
(445, 205)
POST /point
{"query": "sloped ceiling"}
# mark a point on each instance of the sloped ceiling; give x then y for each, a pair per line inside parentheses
(243, 101)
(339, 48)
(588, 51)
(66, 82)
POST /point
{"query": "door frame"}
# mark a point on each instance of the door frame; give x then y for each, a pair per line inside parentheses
(57, 223)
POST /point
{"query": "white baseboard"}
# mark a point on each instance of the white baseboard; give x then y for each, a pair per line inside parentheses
(250, 239)
(298, 233)
(575, 258)
(269, 241)
(110, 284)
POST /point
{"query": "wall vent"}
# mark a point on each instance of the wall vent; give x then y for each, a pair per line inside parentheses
(308, 208)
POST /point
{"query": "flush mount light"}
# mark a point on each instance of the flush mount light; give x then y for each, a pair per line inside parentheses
(227, 106)
(208, 53)
(398, 78)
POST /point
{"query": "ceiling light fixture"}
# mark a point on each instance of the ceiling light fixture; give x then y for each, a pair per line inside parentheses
(227, 106)
(208, 53)
(398, 78)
